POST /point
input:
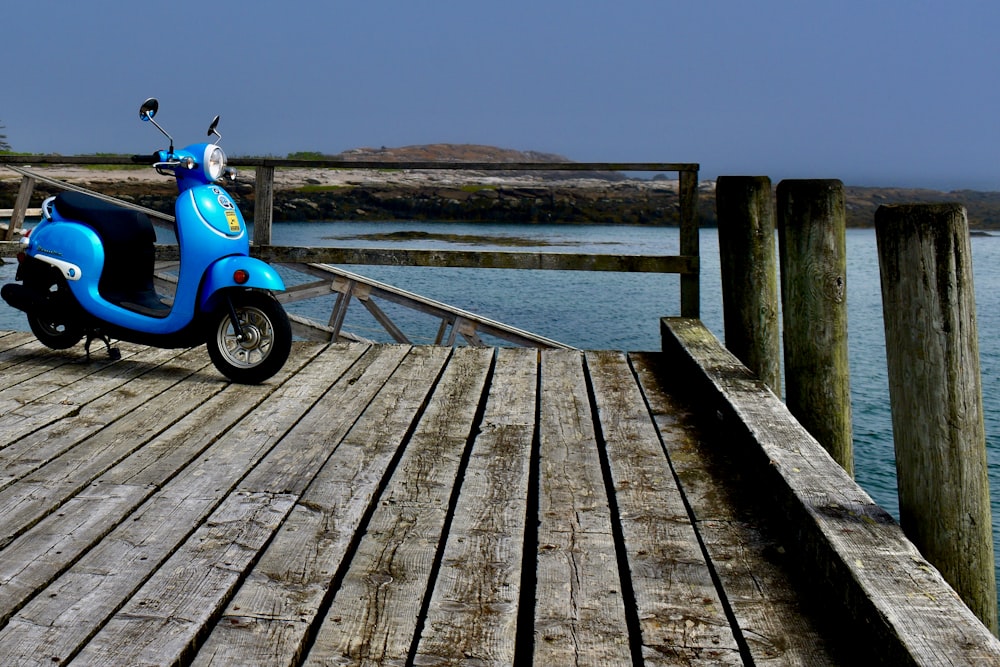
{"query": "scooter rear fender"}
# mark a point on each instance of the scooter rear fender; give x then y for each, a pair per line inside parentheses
(75, 250)
(221, 275)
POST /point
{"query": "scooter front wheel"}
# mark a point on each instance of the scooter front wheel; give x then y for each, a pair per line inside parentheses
(262, 345)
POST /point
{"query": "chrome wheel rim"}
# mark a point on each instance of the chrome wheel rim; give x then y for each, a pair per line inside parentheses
(253, 346)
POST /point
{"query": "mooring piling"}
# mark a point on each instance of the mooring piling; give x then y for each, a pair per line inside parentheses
(745, 209)
(935, 389)
(813, 260)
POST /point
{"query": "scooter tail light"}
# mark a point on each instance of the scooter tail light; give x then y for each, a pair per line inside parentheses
(241, 276)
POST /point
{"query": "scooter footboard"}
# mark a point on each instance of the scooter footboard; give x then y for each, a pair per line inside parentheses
(238, 271)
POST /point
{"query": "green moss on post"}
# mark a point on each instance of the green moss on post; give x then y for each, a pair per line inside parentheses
(813, 255)
(749, 274)
(932, 350)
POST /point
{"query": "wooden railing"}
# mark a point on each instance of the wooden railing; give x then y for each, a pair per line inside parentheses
(686, 264)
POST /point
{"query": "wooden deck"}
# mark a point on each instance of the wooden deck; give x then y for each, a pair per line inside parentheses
(392, 504)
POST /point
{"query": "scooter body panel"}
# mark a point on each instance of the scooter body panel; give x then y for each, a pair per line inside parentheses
(221, 276)
(74, 249)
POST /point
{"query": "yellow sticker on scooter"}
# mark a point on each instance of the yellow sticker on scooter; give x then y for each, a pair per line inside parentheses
(234, 222)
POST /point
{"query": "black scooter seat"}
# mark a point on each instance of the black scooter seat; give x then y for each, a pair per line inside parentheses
(112, 223)
(129, 241)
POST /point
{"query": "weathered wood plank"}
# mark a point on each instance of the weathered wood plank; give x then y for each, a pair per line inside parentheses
(33, 560)
(296, 459)
(49, 467)
(383, 319)
(17, 215)
(479, 259)
(579, 612)
(51, 420)
(473, 609)
(63, 617)
(774, 626)
(158, 625)
(30, 367)
(24, 357)
(896, 603)
(348, 284)
(263, 209)
(50, 397)
(268, 619)
(10, 340)
(681, 617)
(373, 617)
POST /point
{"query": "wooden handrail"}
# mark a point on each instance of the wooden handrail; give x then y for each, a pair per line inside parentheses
(686, 263)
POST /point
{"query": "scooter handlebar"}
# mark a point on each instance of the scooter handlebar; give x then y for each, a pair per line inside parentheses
(146, 159)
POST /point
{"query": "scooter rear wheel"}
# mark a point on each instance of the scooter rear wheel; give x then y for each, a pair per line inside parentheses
(53, 334)
(52, 321)
(264, 346)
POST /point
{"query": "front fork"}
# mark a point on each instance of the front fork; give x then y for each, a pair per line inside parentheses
(234, 318)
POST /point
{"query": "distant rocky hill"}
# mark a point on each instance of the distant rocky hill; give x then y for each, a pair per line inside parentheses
(493, 196)
(448, 152)
(470, 153)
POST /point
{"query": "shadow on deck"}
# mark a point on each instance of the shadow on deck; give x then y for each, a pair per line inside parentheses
(391, 504)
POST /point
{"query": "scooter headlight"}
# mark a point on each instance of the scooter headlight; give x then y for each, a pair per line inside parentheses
(215, 162)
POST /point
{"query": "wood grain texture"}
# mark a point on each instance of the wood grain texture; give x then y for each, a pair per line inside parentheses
(579, 605)
(388, 505)
(847, 547)
(679, 610)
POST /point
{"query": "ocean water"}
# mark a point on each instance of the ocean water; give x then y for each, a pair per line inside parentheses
(621, 311)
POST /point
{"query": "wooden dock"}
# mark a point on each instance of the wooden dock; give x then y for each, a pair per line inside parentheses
(396, 504)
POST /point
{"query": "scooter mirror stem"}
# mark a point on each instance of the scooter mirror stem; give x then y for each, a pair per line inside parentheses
(147, 111)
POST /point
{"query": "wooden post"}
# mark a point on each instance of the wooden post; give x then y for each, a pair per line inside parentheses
(689, 242)
(932, 350)
(813, 256)
(749, 274)
(263, 208)
(20, 207)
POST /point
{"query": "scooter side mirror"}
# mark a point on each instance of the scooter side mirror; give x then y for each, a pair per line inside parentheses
(149, 108)
(212, 129)
(146, 113)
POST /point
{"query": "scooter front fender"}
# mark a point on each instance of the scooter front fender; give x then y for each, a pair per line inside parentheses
(222, 275)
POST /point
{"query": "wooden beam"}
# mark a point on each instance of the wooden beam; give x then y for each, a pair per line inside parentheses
(20, 206)
(899, 605)
(263, 208)
(552, 261)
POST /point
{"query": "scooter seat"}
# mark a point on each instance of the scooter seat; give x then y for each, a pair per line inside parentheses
(112, 223)
(129, 241)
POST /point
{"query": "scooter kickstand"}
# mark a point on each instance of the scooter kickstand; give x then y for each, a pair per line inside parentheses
(113, 352)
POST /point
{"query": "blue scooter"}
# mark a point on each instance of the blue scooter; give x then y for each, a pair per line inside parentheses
(86, 270)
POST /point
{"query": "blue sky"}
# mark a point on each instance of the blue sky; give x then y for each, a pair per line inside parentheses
(872, 93)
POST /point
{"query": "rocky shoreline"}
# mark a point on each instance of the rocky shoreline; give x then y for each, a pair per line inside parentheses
(305, 194)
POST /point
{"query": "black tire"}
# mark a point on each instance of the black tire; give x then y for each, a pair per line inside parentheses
(53, 333)
(266, 342)
(54, 323)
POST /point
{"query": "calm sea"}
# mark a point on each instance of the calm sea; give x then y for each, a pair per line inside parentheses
(621, 311)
